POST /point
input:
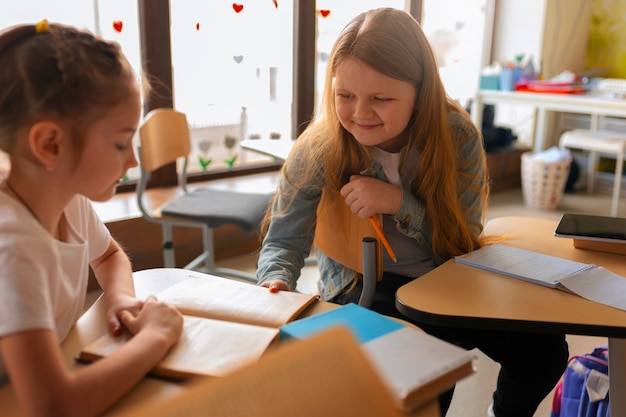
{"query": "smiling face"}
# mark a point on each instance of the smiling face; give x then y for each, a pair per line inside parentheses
(373, 107)
(108, 151)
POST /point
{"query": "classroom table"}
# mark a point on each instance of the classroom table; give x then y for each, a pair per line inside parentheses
(596, 105)
(92, 325)
(464, 296)
(276, 148)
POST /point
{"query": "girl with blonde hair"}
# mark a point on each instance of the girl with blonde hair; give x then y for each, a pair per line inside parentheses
(389, 140)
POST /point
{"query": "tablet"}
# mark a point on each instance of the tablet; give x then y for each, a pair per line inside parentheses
(591, 227)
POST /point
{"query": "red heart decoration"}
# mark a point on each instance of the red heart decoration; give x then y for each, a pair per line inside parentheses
(237, 7)
(324, 13)
(118, 25)
(198, 26)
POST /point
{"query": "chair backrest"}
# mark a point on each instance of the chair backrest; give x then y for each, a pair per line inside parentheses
(346, 238)
(164, 137)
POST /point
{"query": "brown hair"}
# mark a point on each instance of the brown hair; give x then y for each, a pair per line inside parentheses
(59, 72)
(392, 42)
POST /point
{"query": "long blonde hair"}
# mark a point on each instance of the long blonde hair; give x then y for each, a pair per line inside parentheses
(392, 42)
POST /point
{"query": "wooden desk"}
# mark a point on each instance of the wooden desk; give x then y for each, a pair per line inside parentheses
(92, 325)
(594, 105)
(463, 296)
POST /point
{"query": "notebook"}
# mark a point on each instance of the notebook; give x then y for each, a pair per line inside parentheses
(523, 264)
(589, 281)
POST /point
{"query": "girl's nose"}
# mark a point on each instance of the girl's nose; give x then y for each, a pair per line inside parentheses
(132, 159)
(362, 109)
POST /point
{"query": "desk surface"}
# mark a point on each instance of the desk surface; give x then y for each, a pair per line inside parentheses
(461, 295)
(577, 103)
(595, 105)
(92, 325)
(276, 148)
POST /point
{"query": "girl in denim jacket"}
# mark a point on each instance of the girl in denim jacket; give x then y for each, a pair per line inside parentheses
(391, 141)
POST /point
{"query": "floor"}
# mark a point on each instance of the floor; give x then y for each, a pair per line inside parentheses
(473, 394)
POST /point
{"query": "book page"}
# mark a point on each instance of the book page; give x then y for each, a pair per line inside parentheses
(227, 299)
(415, 366)
(325, 375)
(207, 347)
(599, 285)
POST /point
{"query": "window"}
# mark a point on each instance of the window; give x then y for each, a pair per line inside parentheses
(454, 28)
(115, 20)
(456, 32)
(232, 62)
(232, 76)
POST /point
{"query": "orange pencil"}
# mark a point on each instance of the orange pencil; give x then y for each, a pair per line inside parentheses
(383, 239)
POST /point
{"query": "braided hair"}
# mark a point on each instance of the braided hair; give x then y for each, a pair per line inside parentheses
(57, 71)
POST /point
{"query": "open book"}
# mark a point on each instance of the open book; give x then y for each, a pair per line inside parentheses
(327, 375)
(414, 366)
(227, 324)
(589, 281)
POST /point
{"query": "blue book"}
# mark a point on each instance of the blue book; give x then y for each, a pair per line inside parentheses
(415, 366)
(365, 325)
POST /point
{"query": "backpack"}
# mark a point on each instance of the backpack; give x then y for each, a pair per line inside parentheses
(583, 391)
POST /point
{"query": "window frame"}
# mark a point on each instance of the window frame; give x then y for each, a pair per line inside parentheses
(156, 62)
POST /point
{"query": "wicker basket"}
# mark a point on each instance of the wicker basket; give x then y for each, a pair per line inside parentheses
(543, 183)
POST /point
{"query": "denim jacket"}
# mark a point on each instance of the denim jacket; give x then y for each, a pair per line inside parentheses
(290, 235)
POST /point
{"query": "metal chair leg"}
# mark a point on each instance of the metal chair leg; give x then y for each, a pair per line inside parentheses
(169, 260)
(369, 271)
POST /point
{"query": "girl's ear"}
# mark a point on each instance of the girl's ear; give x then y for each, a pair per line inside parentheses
(45, 141)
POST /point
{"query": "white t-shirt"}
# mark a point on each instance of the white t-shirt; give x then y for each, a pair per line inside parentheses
(43, 281)
(413, 260)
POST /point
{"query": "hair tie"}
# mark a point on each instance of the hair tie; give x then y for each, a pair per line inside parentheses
(42, 26)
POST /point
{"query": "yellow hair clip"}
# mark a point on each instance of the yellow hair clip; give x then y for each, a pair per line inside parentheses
(42, 26)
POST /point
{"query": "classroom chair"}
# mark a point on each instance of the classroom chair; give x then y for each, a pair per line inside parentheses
(164, 139)
(346, 238)
(595, 142)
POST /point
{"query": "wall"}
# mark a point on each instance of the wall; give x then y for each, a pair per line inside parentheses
(555, 33)
(518, 28)
(606, 53)
(565, 36)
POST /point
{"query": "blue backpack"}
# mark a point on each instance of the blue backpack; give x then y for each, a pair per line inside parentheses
(584, 389)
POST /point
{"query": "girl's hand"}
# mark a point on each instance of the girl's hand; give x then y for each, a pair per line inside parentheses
(155, 316)
(275, 285)
(118, 303)
(367, 196)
